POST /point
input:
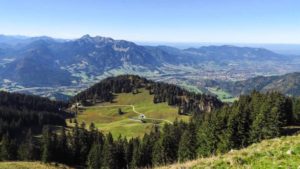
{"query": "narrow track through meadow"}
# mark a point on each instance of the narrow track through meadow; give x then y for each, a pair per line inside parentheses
(134, 110)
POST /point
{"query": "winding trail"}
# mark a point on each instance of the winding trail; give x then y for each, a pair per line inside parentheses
(134, 110)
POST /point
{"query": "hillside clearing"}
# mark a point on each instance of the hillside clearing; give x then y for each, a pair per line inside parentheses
(222, 95)
(106, 118)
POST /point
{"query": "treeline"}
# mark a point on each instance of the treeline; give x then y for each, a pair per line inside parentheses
(296, 110)
(188, 102)
(251, 119)
(19, 112)
(103, 91)
(55, 145)
(91, 149)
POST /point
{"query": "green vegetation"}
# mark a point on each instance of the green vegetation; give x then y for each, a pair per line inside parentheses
(190, 88)
(19, 112)
(278, 153)
(222, 95)
(31, 165)
(129, 104)
(287, 84)
(107, 119)
(138, 70)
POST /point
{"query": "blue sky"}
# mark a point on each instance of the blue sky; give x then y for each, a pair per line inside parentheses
(222, 21)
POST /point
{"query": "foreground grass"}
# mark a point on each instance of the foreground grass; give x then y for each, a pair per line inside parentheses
(107, 119)
(31, 165)
(279, 153)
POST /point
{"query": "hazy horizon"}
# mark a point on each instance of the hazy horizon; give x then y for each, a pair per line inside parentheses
(208, 21)
(293, 49)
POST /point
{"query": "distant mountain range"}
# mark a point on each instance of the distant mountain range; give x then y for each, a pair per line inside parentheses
(19, 40)
(46, 62)
(28, 62)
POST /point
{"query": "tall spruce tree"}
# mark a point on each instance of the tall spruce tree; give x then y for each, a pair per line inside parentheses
(27, 150)
(169, 143)
(47, 146)
(158, 156)
(94, 160)
(63, 147)
(108, 152)
(75, 144)
(7, 149)
(120, 155)
(136, 154)
(187, 145)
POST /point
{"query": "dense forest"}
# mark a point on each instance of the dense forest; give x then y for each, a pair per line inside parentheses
(19, 112)
(251, 119)
(188, 102)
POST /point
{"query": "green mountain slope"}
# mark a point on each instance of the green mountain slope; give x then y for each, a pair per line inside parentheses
(288, 84)
(106, 118)
(281, 152)
(143, 103)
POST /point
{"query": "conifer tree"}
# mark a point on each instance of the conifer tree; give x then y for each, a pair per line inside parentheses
(84, 145)
(27, 150)
(135, 162)
(94, 157)
(75, 144)
(119, 154)
(169, 143)
(47, 147)
(108, 152)
(296, 110)
(63, 147)
(129, 152)
(158, 156)
(120, 111)
(7, 149)
(92, 127)
(206, 138)
(146, 151)
(187, 145)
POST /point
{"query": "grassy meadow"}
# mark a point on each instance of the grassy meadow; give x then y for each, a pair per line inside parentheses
(107, 119)
(222, 95)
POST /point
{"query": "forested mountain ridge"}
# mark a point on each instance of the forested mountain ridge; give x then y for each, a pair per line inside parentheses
(288, 84)
(37, 68)
(187, 102)
(91, 55)
(227, 52)
(29, 102)
(19, 40)
(19, 113)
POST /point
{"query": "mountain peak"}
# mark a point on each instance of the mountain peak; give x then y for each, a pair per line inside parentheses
(96, 39)
(87, 36)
